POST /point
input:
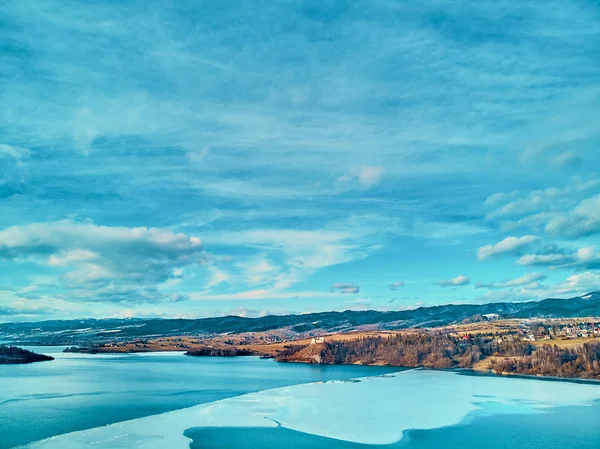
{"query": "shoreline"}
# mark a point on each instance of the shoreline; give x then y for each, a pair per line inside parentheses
(462, 371)
(473, 372)
(499, 363)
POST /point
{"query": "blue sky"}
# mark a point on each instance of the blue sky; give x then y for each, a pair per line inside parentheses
(196, 158)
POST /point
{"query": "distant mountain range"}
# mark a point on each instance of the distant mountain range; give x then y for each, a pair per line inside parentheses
(69, 332)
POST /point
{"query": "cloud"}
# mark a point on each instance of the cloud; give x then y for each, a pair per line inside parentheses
(583, 220)
(217, 278)
(13, 169)
(508, 245)
(360, 303)
(341, 285)
(101, 262)
(260, 293)
(567, 211)
(567, 158)
(345, 288)
(458, 281)
(280, 258)
(550, 199)
(574, 285)
(544, 260)
(578, 284)
(396, 285)
(585, 258)
(517, 294)
(260, 271)
(17, 153)
(245, 312)
(369, 175)
(25, 313)
(366, 175)
(70, 257)
(529, 280)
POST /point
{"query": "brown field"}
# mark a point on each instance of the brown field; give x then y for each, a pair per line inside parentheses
(485, 364)
(271, 343)
(568, 343)
(509, 325)
(242, 341)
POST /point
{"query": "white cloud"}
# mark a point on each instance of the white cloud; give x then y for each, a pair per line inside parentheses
(217, 277)
(396, 285)
(103, 263)
(346, 288)
(198, 156)
(529, 280)
(458, 281)
(366, 175)
(369, 175)
(574, 285)
(287, 256)
(17, 153)
(259, 271)
(250, 313)
(566, 158)
(13, 167)
(585, 258)
(578, 284)
(567, 211)
(582, 220)
(70, 257)
(508, 245)
(494, 199)
(260, 294)
(543, 259)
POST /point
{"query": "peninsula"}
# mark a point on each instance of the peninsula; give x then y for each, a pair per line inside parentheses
(12, 355)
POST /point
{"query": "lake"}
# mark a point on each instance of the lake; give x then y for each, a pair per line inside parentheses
(245, 403)
(81, 391)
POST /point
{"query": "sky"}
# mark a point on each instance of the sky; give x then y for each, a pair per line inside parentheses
(202, 158)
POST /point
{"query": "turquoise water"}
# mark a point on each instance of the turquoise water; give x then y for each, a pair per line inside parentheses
(318, 406)
(78, 391)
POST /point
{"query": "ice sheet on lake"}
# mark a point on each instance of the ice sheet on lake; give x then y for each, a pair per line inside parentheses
(376, 410)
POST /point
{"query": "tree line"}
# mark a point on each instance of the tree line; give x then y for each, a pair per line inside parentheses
(442, 351)
(580, 361)
(13, 354)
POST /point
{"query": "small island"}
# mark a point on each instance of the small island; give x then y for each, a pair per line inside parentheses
(12, 355)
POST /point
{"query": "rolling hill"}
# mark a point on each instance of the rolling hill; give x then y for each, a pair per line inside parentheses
(68, 332)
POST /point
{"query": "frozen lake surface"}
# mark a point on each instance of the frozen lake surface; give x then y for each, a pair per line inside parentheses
(79, 391)
(370, 411)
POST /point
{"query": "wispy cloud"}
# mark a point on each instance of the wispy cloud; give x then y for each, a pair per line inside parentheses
(458, 281)
(396, 285)
(529, 280)
(568, 211)
(367, 176)
(345, 288)
(299, 153)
